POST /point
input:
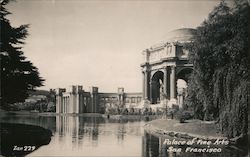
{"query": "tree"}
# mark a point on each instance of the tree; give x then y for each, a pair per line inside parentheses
(221, 76)
(18, 75)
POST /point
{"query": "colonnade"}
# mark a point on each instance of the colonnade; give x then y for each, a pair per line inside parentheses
(65, 104)
(71, 103)
(169, 83)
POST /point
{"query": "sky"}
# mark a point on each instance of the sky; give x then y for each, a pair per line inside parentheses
(99, 43)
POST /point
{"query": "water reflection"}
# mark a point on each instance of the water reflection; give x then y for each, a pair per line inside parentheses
(47, 122)
(94, 136)
(77, 127)
(150, 146)
(97, 136)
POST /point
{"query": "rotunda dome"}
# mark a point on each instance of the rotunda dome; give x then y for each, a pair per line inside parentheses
(181, 35)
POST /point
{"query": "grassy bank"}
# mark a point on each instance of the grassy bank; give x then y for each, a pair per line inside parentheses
(189, 129)
(194, 128)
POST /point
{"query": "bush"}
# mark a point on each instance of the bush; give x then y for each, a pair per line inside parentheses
(184, 115)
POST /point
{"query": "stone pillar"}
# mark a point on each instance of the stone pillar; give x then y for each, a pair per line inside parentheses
(172, 83)
(66, 100)
(143, 85)
(173, 99)
(94, 100)
(78, 98)
(71, 107)
(146, 85)
(66, 105)
(63, 105)
(59, 104)
(173, 53)
(151, 92)
(74, 95)
(77, 103)
(80, 103)
(59, 100)
(120, 93)
(165, 80)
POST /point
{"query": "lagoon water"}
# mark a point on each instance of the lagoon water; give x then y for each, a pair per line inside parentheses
(97, 136)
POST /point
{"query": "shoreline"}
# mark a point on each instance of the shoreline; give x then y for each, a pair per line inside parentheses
(189, 130)
(28, 113)
(206, 130)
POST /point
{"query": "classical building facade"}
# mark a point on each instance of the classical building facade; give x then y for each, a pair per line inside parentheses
(76, 100)
(163, 65)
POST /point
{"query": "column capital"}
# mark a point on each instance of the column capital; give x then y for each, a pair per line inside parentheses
(145, 70)
(173, 68)
(165, 68)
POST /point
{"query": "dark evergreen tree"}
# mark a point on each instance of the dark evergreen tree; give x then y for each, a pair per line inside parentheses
(221, 58)
(18, 75)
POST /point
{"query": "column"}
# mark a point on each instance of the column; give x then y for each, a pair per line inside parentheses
(173, 53)
(66, 105)
(146, 85)
(61, 104)
(70, 104)
(63, 111)
(172, 83)
(80, 103)
(165, 80)
(77, 102)
(151, 92)
(73, 102)
(143, 85)
(58, 104)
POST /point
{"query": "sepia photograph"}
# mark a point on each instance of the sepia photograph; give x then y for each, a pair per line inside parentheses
(124, 78)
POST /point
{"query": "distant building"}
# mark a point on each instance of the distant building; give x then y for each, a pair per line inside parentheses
(76, 100)
(35, 98)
